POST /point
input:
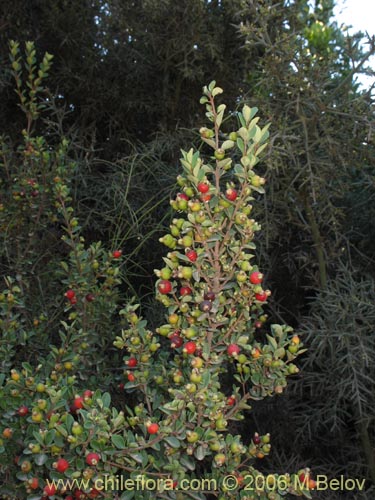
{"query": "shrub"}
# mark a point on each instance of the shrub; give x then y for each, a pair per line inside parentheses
(188, 385)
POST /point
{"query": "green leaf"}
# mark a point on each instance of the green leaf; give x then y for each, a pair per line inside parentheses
(187, 462)
(106, 398)
(199, 453)
(118, 441)
(172, 441)
(216, 91)
(40, 459)
(50, 436)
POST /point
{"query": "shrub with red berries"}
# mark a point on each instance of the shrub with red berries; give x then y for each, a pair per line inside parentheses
(180, 417)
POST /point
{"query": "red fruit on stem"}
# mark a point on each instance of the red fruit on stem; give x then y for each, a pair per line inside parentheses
(70, 294)
(92, 459)
(192, 255)
(78, 403)
(231, 401)
(176, 341)
(209, 296)
(205, 197)
(116, 254)
(205, 306)
(152, 428)
(61, 465)
(132, 362)
(256, 278)
(90, 297)
(190, 347)
(233, 350)
(33, 483)
(231, 194)
(203, 187)
(73, 300)
(23, 411)
(185, 290)
(183, 196)
(165, 286)
(131, 377)
(262, 297)
(50, 490)
(256, 438)
(87, 394)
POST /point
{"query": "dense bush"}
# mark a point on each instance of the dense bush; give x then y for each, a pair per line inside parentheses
(184, 388)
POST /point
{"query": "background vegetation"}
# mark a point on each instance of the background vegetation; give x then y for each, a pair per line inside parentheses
(124, 89)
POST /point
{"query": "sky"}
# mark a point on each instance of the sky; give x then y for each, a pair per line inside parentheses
(360, 14)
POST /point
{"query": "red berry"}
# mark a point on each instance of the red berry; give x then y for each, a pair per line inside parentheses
(233, 350)
(121, 386)
(116, 254)
(256, 438)
(94, 493)
(131, 377)
(61, 465)
(92, 459)
(132, 362)
(70, 294)
(90, 297)
(190, 347)
(78, 403)
(33, 483)
(231, 194)
(205, 197)
(50, 490)
(176, 340)
(185, 290)
(73, 300)
(205, 306)
(231, 401)
(182, 196)
(152, 428)
(23, 411)
(165, 286)
(258, 324)
(203, 187)
(209, 296)
(256, 278)
(192, 255)
(262, 297)
(87, 394)
(79, 495)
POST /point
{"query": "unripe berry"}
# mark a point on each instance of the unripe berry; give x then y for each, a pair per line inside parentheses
(219, 154)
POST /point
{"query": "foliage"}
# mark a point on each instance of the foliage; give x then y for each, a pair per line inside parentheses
(178, 421)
